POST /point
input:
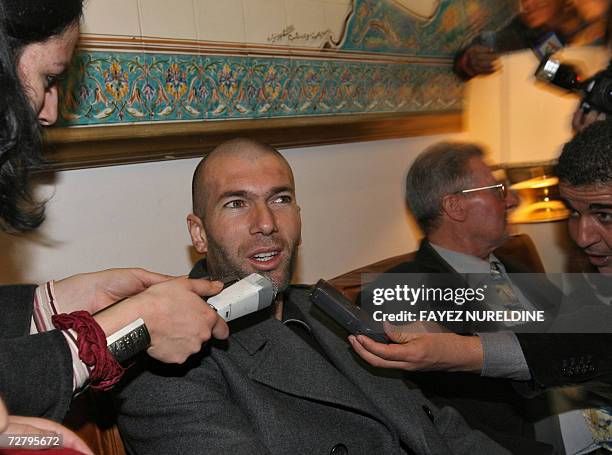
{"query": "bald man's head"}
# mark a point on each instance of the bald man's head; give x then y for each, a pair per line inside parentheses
(246, 218)
(245, 148)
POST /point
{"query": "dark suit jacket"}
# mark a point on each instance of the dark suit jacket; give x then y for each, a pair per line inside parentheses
(35, 370)
(491, 405)
(266, 390)
(438, 273)
(557, 359)
(554, 359)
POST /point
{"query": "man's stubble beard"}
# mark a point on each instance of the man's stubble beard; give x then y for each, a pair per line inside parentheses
(222, 267)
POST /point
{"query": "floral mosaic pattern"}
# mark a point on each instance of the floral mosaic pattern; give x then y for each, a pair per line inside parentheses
(108, 88)
(124, 87)
(383, 26)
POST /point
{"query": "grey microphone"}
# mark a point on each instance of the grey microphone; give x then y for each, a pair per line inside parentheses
(253, 293)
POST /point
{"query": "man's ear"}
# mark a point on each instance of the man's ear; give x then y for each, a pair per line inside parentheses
(299, 210)
(453, 205)
(197, 233)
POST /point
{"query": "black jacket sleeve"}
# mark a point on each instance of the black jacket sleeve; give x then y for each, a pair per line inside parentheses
(514, 36)
(556, 359)
(35, 370)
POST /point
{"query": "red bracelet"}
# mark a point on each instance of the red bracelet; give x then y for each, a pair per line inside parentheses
(91, 341)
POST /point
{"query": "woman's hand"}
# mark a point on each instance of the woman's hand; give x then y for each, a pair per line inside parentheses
(95, 291)
(178, 319)
(33, 426)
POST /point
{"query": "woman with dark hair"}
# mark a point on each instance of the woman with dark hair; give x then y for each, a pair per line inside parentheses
(19, 140)
(48, 349)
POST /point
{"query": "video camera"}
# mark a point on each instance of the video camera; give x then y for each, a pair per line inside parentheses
(596, 91)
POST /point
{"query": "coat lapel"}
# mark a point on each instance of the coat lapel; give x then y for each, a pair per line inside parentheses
(278, 358)
(275, 356)
(394, 398)
(429, 258)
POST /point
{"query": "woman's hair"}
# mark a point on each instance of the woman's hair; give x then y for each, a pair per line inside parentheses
(35, 21)
(23, 22)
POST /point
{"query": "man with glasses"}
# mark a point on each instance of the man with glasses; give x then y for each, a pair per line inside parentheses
(462, 211)
(553, 359)
(547, 360)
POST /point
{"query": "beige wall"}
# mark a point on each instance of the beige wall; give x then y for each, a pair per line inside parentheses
(534, 123)
(351, 194)
(351, 199)
(535, 118)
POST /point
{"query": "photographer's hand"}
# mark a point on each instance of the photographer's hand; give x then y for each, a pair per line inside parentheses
(479, 59)
(582, 119)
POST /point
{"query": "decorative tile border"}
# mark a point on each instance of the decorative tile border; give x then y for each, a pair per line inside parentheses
(122, 87)
(351, 77)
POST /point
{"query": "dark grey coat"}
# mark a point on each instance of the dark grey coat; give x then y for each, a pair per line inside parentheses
(266, 390)
(35, 370)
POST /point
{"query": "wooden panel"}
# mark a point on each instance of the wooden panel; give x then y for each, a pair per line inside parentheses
(74, 148)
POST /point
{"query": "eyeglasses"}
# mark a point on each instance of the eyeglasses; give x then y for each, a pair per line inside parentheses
(500, 188)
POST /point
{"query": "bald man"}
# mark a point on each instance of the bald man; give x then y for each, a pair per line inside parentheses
(285, 381)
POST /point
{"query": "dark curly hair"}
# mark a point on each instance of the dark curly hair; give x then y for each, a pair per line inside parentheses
(587, 158)
(23, 22)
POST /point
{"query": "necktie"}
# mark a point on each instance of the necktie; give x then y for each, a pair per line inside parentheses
(502, 296)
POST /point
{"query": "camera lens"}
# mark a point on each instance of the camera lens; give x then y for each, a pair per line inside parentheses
(601, 95)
